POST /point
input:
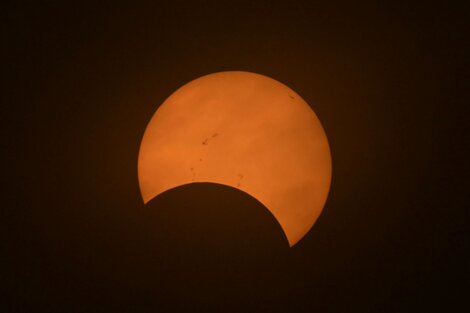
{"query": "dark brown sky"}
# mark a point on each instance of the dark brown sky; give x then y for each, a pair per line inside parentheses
(81, 83)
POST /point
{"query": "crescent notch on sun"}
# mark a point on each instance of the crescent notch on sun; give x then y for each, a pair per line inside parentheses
(247, 131)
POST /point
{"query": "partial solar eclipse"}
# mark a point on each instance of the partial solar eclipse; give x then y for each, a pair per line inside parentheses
(247, 131)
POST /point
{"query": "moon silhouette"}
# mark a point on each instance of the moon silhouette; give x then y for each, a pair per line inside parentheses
(247, 131)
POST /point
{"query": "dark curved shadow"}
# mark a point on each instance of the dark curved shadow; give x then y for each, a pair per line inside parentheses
(214, 216)
(207, 246)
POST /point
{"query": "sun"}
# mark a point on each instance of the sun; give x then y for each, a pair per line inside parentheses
(247, 131)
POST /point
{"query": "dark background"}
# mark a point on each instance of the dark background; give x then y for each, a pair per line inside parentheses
(82, 81)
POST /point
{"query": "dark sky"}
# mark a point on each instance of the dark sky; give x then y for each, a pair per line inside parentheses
(82, 81)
